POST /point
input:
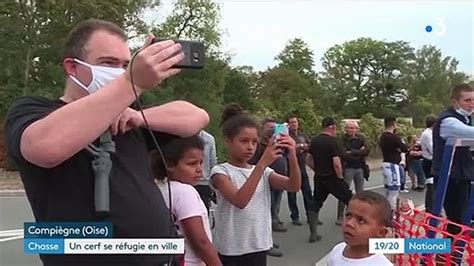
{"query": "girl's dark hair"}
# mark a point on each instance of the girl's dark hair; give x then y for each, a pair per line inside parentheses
(173, 151)
(234, 119)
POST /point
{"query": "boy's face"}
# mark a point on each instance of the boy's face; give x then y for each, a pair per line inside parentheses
(361, 223)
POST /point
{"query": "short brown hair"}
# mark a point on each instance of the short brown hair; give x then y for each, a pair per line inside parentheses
(458, 89)
(378, 201)
(430, 121)
(82, 32)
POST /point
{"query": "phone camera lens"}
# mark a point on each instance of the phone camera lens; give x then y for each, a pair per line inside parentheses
(196, 56)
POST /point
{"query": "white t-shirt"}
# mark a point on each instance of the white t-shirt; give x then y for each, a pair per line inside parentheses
(247, 230)
(336, 258)
(426, 140)
(186, 203)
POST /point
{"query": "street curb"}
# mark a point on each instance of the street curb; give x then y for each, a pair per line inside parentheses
(12, 193)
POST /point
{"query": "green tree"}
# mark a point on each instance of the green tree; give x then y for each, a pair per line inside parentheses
(371, 127)
(364, 75)
(238, 87)
(196, 20)
(429, 80)
(298, 56)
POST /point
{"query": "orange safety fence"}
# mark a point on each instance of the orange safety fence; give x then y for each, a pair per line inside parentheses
(416, 224)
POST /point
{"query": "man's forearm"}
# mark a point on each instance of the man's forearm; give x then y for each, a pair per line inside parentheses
(69, 129)
(338, 170)
(178, 118)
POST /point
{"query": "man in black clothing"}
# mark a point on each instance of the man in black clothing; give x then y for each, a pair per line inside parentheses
(48, 139)
(325, 159)
(302, 145)
(392, 146)
(354, 150)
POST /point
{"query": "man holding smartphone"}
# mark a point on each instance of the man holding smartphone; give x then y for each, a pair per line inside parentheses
(302, 146)
(48, 139)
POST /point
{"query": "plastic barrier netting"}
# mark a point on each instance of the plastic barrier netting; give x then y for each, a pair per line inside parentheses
(417, 224)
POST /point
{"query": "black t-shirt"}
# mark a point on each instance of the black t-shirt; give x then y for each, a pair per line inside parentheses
(392, 146)
(354, 144)
(65, 193)
(323, 148)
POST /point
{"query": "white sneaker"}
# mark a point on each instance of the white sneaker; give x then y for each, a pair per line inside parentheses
(404, 191)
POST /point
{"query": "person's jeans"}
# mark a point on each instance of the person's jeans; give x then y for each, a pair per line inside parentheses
(275, 203)
(356, 174)
(417, 168)
(403, 177)
(429, 196)
(305, 190)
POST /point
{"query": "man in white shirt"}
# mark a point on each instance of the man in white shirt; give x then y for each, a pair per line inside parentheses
(426, 141)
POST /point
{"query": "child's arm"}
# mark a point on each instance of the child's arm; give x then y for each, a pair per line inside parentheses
(196, 235)
(241, 197)
(292, 184)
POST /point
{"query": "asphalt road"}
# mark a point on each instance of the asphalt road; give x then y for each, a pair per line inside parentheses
(14, 210)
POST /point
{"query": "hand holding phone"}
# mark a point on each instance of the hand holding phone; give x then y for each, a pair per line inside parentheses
(278, 131)
(193, 53)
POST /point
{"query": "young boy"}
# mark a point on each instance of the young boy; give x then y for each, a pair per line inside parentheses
(368, 215)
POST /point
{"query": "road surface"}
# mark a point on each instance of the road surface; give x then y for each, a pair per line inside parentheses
(14, 210)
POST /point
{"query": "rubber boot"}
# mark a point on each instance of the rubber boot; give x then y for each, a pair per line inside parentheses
(313, 226)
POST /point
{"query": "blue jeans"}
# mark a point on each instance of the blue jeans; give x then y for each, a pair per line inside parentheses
(403, 177)
(417, 168)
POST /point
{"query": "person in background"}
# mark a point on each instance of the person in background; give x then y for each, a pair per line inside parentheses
(324, 158)
(210, 160)
(409, 161)
(392, 148)
(302, 144)
(403, 168)
(415, 166)
(426, 141)
(354, 150)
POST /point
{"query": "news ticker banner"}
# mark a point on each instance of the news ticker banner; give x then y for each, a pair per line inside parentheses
(91, 238)
(410, 245)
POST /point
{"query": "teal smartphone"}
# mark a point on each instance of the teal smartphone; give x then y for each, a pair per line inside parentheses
(281, 129)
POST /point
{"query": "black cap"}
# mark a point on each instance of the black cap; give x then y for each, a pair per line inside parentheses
(328, 121)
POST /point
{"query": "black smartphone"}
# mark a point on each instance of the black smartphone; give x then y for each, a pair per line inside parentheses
(193, 53)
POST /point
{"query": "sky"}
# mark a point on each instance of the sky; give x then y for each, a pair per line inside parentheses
(256, 31)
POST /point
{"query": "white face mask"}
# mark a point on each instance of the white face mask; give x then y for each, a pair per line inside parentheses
(463, 112)
(101, 75)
